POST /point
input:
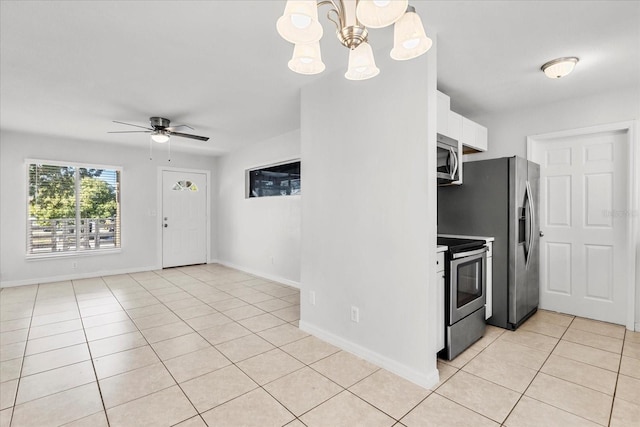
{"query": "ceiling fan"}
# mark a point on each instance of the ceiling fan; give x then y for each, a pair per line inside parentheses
(161, 130)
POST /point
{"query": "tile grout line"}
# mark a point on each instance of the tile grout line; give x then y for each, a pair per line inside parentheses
(615, 388)
(24, 351)
(275, 347)
(539, 370)
(194, 331)
(95, 373)
(238, 367)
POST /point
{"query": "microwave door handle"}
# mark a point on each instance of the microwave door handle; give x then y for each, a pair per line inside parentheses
(455, 163)
(531, 223)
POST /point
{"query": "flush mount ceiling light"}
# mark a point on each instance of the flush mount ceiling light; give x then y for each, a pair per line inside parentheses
(559, 67)
(299, 25)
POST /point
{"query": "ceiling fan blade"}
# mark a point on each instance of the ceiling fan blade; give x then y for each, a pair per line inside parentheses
(129, 124)
(174, 127)
(130, 131)
(186, 135)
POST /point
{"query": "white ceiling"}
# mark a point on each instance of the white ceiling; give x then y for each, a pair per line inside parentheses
(68, 68)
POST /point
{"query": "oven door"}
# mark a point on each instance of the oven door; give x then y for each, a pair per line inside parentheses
(467, 283)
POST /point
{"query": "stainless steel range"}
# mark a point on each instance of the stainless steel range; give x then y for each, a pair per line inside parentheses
(465, 293)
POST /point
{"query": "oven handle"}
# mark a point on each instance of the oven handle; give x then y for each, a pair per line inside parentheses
(470, 253)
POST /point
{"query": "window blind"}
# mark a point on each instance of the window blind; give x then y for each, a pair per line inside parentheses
(72, 208)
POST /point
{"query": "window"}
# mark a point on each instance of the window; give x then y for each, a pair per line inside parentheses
(72, 208)
(278, 180)
(184, 186)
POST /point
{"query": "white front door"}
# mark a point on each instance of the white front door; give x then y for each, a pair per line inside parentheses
(184, 218)
(583, 197)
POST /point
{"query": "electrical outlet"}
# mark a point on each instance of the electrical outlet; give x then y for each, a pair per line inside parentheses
(355, 314)
(312, 297)
(74, 264)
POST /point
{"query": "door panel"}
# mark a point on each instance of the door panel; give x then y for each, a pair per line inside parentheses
(584, 182)
(599, 261)
(184, 215)
(558, 267)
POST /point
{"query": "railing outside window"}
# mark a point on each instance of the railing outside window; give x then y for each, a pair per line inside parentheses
(59, 235)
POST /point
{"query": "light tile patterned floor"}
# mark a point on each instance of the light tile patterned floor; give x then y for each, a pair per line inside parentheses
(212, 346)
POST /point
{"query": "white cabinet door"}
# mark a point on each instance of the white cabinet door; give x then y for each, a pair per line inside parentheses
(440, 301)
(454, 125)
(482, 138)
(474, 136)
(443, 113)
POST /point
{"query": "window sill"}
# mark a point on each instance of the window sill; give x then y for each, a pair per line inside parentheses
(78, 254)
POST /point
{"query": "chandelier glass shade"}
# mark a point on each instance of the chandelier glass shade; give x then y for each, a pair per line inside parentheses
(409, 38)
(307, 59)
(299, 22)
(299, 25)
(362, 65)
(380, 13)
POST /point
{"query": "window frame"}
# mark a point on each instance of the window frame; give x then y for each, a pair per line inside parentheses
(77, 252)
(247, 175)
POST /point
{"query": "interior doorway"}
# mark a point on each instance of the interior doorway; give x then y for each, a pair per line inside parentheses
(587, 254)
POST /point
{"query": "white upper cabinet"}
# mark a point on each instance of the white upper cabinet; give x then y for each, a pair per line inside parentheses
(454, 121)
(443, 113)
(473, 137)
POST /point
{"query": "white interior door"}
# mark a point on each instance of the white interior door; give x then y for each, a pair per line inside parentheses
(184, 218)
(583, 260)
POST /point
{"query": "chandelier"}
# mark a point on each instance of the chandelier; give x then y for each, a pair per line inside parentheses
(299, 25)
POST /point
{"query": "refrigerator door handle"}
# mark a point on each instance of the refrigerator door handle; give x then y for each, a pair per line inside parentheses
(531, 223)
(455, 162)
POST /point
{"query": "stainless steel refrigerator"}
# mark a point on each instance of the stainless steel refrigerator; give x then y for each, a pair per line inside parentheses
(500, 198)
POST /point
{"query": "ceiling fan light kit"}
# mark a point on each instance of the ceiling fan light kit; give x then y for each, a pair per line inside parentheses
(159, 136)
(559, 67)
(161, 132)
(299, 25)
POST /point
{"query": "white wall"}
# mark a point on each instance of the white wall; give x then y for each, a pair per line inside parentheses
(259, 235)
(508, 132)
(369, 216)
(138, 200)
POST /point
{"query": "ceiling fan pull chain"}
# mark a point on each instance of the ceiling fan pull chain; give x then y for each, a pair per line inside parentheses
(169, 149)
(150, 149)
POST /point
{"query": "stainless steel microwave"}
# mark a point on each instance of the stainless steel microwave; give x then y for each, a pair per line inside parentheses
(448, 169)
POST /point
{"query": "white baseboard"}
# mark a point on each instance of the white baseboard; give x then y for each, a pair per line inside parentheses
(50, 279)
(423, 379)
(78, 276)
(260, 274)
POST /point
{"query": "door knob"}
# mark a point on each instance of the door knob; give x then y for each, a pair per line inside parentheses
(166, 225)
(541, 234)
